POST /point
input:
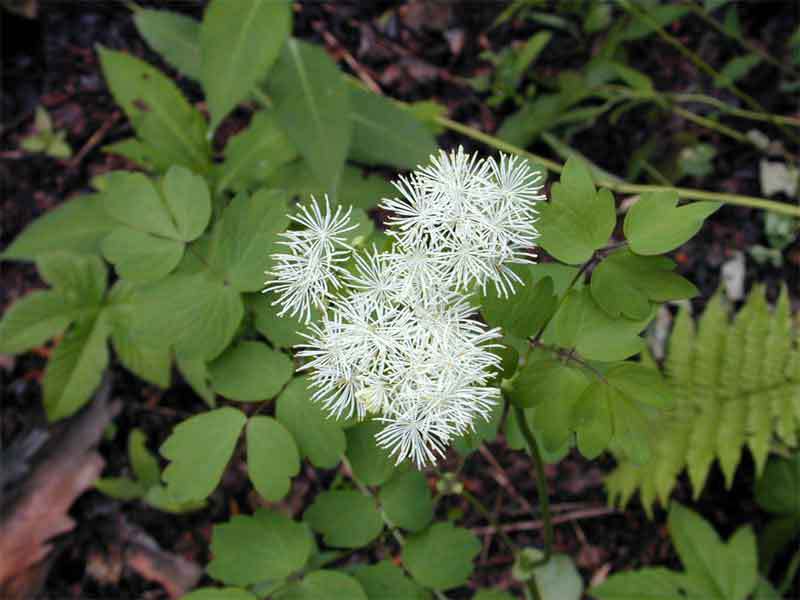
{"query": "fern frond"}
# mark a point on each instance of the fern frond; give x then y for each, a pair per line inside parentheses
(736, 385)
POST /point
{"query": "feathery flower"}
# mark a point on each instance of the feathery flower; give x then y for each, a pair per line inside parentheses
(302, 278)
(399, 340)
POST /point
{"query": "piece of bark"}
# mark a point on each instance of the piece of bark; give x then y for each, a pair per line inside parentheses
(37, 511)
(176, 574)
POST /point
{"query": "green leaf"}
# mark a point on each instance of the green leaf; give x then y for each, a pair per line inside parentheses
(406, 500)
(161, 116)
(134, 200)
(143, 462)
(660, 16)
(312, 103)
(593, 420)
(80, 279)
(640, 383)
(198, 316)
(323, 585)
(195, 372)
(243, 240)
(646, 584)
(385, 134)
(158, 497)
(282, 332)
(135, 151)
(364, 192)
(188, 201)
(558, 579)
(272, 457)
(140, 257)
(228, 593)
(581, 324)
(655, 224)
(76, 226)
(735, 69)
(525, 312)
(385, 581)
(32, 320)
(554, 389)
(778, 489)
(346, 519)
(200, 448)
(150, 361)
(728, 571)
(441, 556)
(577, 220)
(76, 367)
(253, 155)
(120, 488)
(251, 549)
(174, 36)
(625, 284)
(319, 438)
(240, 42)
(371, 464)
(250, 372)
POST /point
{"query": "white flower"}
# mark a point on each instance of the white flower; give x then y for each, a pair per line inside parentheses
(400, 339)
(303, 277)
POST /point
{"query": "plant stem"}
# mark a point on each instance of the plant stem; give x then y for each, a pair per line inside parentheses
(698, 62)
(622, 186)
(732, 110)
(541, 485)
(751, 47)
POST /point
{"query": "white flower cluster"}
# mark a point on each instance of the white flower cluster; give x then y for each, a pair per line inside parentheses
(398, 337)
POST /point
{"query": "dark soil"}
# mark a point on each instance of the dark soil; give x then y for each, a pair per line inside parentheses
(415, 51)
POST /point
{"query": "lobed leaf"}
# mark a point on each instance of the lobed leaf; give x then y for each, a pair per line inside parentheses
(250, 372)
(319, 438)
(199, 449)
(655, 224)
(250, 549)
(272, 457)
(441, 557)
(346, 519)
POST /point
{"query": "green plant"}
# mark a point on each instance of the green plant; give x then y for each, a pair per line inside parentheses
(189, 239)
(714, 570)
(736, 385)
(45, 139)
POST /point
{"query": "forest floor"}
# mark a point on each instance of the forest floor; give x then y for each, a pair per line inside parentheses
(414, 51)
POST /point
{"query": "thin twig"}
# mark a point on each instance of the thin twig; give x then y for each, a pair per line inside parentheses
(588, 513)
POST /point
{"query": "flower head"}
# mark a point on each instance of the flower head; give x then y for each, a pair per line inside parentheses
(303, 277)
(399, 339)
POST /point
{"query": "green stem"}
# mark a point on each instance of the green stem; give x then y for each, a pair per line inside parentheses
(622, 186)
(716, 25)
(713, 125)
(698, 62)
(791, 571)
(541, 485)
(732, 110)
